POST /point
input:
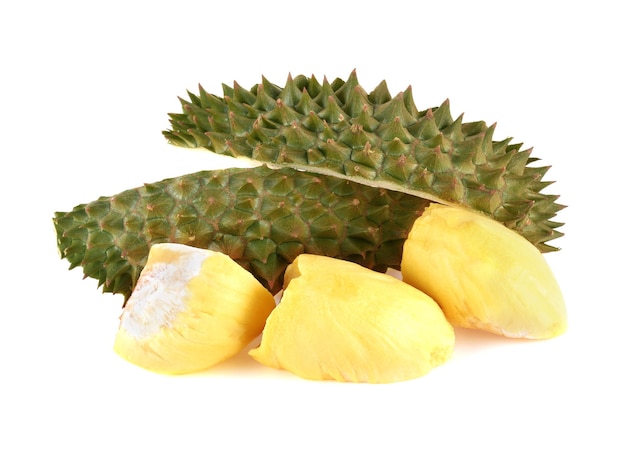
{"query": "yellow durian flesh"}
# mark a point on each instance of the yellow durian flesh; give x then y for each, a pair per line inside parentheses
(339, 321)
(483, 275)
(191, 309)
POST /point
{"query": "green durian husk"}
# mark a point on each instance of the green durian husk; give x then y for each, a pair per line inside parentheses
(261, 217)
(374, 139)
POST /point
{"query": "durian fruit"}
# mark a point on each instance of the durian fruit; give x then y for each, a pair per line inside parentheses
(376, 139)
(340, 321)
(190, 310)
(262, 218)
(483, 275)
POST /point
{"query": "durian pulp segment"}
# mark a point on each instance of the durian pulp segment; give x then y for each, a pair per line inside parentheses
(192, 309)
(483, 275)
(340, 321)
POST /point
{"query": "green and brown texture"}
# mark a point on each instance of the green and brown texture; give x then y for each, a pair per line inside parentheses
(261, 217)
(376, 139)
(347, 174)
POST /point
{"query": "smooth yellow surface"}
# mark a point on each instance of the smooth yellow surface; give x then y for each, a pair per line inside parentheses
(338, 320)
(195, 308)
(484, 275)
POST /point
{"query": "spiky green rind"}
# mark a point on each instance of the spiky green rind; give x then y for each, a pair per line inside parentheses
(376, 139)
(261, 217)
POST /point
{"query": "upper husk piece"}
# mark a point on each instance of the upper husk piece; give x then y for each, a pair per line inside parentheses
(376, 139)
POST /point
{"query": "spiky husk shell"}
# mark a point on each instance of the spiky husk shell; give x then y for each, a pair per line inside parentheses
(261, 217)
(375, 139)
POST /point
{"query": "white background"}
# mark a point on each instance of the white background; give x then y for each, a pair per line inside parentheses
(85, 91)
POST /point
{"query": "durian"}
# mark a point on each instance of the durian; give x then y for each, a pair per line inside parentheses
(363, 168)
(376, 139)
(262, 218)
(340, 321)
(483, 275)
(190, 310)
